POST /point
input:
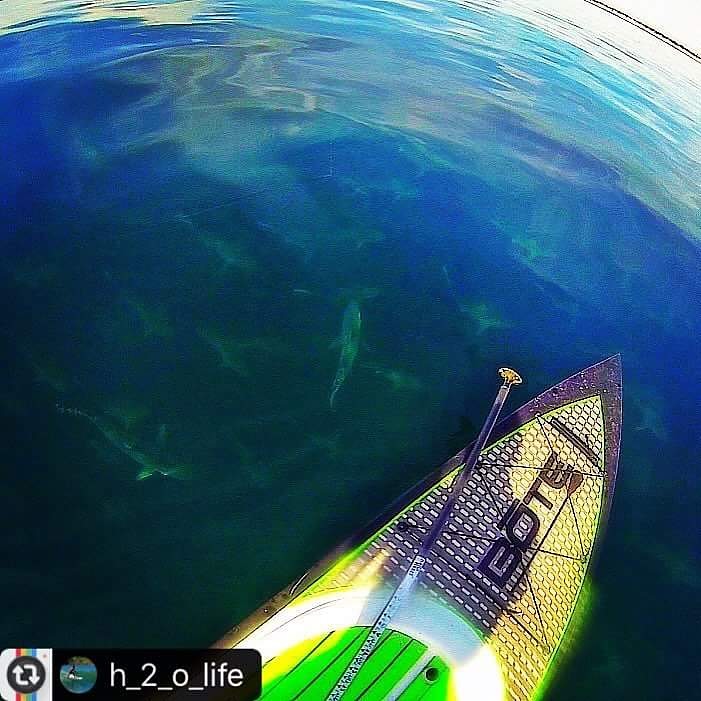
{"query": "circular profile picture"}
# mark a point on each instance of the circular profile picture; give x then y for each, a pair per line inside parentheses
(78, 675)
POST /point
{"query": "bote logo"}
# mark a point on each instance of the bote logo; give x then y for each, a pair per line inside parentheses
(520, 524)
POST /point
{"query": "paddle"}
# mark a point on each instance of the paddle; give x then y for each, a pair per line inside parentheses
(510, 377)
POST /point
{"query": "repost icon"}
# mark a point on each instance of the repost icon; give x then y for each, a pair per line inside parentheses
(25, 674)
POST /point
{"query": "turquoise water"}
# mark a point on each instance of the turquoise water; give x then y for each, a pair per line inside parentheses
(192, 196)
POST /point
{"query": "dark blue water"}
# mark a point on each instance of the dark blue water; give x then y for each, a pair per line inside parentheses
(193, 193)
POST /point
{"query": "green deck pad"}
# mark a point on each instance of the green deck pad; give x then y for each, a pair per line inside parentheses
(316, 675)
(309, 671)
(391, 660)
(424, 690)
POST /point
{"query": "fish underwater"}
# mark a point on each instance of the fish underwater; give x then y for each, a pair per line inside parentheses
(154, 320)
(119, 440)
(483, 316)
(240, 354)
(398, 380)
(349, 342)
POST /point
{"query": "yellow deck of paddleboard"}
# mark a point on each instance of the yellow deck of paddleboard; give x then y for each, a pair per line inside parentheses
(501, 584)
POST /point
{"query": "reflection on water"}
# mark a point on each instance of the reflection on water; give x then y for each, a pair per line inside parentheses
(198, 192)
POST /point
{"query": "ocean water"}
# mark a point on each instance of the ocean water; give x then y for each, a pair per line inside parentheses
(192, 193)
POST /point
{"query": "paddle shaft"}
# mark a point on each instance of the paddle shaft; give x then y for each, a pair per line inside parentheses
(461, 478)
(418, 562)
